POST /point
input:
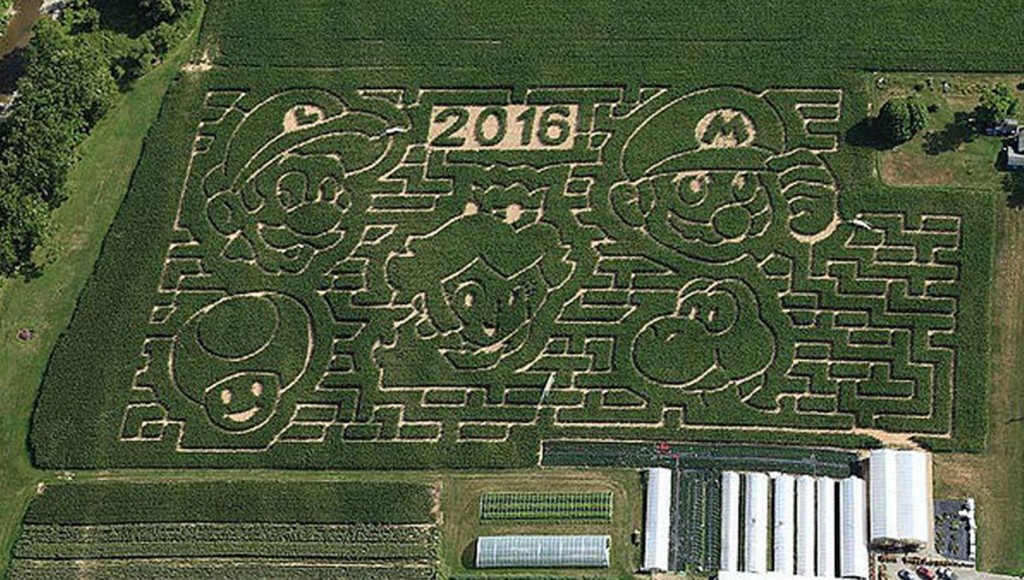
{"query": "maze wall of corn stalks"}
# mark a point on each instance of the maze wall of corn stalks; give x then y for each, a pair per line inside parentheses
(389, 277)
(390, 266)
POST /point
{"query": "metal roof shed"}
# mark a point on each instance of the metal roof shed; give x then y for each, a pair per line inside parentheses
(730, 553)
(805, 525)
(755, 551)
(785, 526)
(658, 518)
(543, 552)
(853, 528)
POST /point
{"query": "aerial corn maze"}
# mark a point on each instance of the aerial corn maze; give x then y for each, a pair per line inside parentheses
(345, 265)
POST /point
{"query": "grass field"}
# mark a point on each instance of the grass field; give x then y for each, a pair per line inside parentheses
(460, 500)
(365, 239)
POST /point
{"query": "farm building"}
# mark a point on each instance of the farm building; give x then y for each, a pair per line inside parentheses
(1015, 152)
(785, 526)
(543, 552)
(658, 517)
(805, 527)
(901, 514)
(1004, 129)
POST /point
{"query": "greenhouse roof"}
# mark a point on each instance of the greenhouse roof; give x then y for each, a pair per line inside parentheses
(542, 551)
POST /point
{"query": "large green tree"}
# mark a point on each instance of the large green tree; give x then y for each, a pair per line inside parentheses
(996, 103)
(900, 119)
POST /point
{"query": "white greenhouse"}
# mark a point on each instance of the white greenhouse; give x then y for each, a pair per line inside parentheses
(730, 560)
(756, 541)
(900, 498)
(805, 525)
(853, 528)
(768, 576)
(788, 527)
(543, 552)
(826, 531)
(785, 526)
(658, 519)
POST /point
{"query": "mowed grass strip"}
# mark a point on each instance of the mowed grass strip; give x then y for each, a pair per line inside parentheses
(562, 507)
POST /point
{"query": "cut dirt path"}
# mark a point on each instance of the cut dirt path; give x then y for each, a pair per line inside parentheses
(995, 477)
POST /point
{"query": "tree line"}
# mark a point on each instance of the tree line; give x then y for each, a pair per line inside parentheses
(73, 70)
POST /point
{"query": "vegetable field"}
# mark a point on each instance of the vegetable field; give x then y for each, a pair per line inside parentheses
(117, 530)
(537, 506)
(385, 241)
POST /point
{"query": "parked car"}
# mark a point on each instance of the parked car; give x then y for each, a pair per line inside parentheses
(925, 573)
(947, 573)
(904, 574)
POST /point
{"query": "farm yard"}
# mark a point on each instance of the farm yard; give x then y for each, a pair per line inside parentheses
(564, 242)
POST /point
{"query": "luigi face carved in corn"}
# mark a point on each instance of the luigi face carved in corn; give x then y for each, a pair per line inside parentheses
(280, 204)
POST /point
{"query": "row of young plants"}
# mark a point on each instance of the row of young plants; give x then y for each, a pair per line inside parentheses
(696, 456)
(554, 506)
(217, 569)
(351, 552)
(697, 538)
(42, 534)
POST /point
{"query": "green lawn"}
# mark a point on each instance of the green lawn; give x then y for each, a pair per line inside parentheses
(946, 152)
(461, 524)
(96, 186)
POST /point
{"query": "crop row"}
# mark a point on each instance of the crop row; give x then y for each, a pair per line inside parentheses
(700, 456)
(376, 552)
(190, 541)
(210, 532)
(698, 536)
(222, 569)
(546, 506)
